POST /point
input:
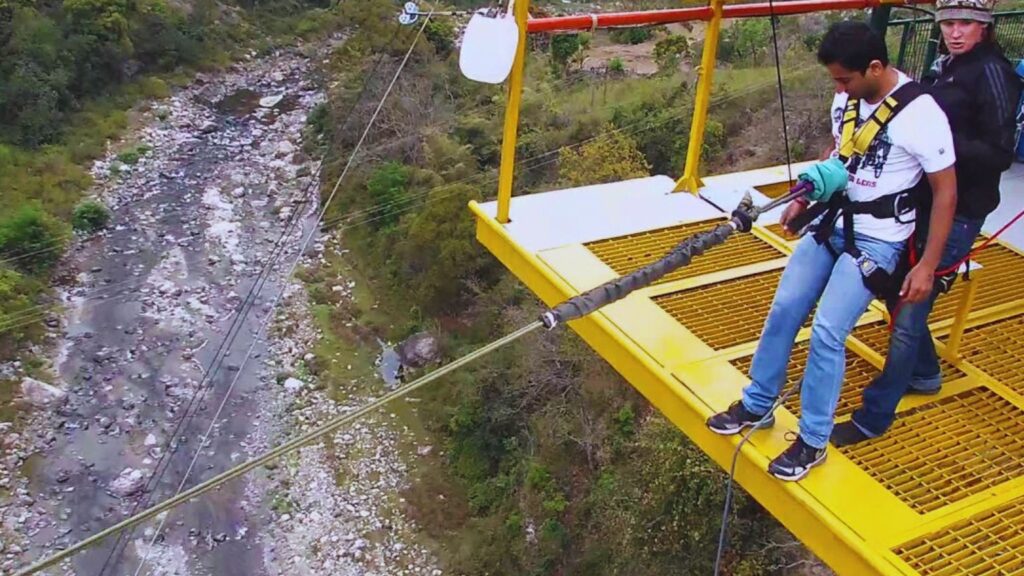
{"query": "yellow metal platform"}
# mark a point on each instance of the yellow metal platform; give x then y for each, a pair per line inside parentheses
(941, 493)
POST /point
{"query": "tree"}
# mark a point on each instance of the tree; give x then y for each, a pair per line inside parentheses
(439, 254)
(387, 189)
(745, 39)
(15, 299)
(441, 33)
(90, 216)
(631, 35)
(105, 20)
(563, 48)
(32, 239)
(161, 38)
(669, 50)
(609, 158)
(6, 18)
(33, 79)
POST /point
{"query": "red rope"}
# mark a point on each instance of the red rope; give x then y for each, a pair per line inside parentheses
(983, 245)
(948, 269)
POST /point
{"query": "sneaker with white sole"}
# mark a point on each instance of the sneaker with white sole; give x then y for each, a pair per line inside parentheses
(797, 460)
(736, 419)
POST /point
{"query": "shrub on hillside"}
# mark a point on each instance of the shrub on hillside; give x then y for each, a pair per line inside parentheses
(16, 298)
(32, 240)
(631, 35)
(90, 216)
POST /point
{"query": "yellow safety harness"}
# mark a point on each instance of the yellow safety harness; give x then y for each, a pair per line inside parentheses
(855, 139)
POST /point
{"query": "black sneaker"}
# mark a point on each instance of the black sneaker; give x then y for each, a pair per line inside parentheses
(736, 418)
(797, 460)
(847, 433)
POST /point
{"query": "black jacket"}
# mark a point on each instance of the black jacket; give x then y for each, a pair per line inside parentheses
(979, 91)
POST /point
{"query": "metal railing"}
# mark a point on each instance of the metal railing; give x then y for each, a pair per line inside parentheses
(913, 42)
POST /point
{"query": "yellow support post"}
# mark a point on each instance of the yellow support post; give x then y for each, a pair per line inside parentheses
(691, 180)
(956, 331)
(515, 93)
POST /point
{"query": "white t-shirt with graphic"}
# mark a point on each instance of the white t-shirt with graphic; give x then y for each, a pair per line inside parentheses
(916, 141)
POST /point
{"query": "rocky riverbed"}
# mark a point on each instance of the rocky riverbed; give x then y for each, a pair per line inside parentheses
(220, 175)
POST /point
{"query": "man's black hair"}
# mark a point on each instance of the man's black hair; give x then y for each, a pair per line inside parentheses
(853, 45)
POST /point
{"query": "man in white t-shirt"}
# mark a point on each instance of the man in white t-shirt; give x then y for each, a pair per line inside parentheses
(861, 235)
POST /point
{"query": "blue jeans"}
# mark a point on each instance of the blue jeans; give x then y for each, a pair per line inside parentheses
(912, 361)
(812, 274)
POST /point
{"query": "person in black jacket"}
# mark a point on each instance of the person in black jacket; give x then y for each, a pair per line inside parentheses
(978, 89)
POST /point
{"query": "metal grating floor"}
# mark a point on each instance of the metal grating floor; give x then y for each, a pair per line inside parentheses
(627, 253)
(779, 231)
(727, 313)
(876, 337)
(947, 450)
(859, 373)
(998, 350)
(953, 460)
(990, 544)
(1000, 283)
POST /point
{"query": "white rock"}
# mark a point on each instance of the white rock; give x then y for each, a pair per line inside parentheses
(293, 385)
(42, 395)
(129, 482)
(271, 101)
(285, 148)
(150, 440)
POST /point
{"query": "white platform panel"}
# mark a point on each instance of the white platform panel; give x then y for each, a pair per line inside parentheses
(1010, 204)
(579, 215)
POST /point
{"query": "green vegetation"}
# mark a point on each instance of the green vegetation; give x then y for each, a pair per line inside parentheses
(69, 73)
(610, 159)
(550, 463)
(59, 55)
(132, 155)
(90, 216)
(669, 50)
(31, 240)
(631, 35)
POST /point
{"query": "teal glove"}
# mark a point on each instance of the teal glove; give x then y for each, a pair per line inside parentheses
(828, 178)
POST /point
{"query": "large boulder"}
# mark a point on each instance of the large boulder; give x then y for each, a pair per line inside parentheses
(39, 394)
(129, 482)
(419, 350)
(271, 101)
(293, 385)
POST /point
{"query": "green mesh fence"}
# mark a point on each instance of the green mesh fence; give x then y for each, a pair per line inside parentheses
(913, 42)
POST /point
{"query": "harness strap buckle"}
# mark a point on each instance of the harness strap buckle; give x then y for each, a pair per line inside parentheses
(866, 265)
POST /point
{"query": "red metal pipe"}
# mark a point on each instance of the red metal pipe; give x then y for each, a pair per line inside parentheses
(806, 6)
(611, 19)
(781, 8)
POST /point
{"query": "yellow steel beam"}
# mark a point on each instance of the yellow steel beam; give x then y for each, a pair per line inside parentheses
(515, 93)
(687, 380)
(826, 535)
(691, 180)
(956, 334)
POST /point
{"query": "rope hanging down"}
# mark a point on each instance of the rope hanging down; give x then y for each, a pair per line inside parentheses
(324, 429)
(727, 506)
